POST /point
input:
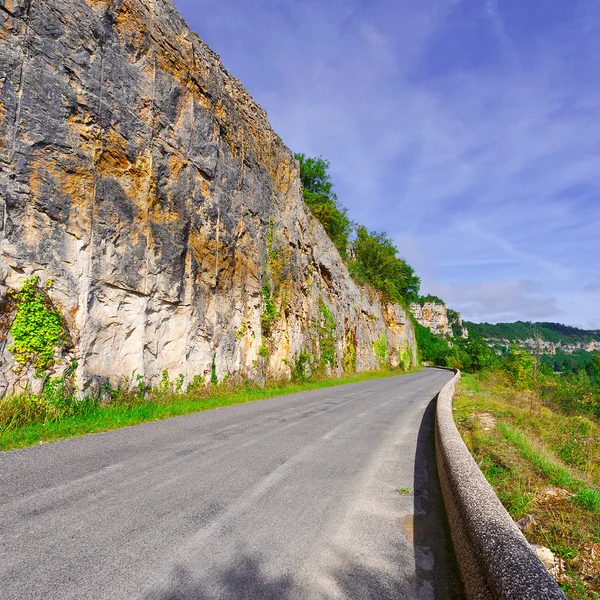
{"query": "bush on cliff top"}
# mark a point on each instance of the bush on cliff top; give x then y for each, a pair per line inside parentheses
(375, 259)
(323, 202)
(376, 262)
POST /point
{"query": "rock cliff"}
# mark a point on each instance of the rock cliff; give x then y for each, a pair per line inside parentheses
(439, 319)
(142, 177)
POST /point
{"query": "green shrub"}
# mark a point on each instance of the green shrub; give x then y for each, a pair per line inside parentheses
(377, 263)
(38, 329)
(213, 371)
(302, 367)
(323, 203)
(380, 348)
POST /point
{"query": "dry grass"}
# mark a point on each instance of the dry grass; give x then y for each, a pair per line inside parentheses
(540, 462)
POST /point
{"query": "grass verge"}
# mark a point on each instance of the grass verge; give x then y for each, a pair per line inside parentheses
(541, 462)
(132, 411)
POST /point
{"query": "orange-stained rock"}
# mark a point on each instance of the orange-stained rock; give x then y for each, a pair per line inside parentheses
(143, 178)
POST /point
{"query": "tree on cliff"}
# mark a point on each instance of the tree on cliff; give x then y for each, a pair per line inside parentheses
(323, 202)
(376, 261)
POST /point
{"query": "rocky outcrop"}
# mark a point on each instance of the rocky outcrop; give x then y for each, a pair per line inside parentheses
(142, 177)
(439, 319)
(431, 315)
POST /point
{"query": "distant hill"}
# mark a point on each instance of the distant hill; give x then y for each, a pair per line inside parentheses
(519, 331)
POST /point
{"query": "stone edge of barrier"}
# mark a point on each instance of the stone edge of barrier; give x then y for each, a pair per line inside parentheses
(494, 558)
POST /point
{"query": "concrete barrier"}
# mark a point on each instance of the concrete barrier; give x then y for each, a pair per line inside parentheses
(494, 557)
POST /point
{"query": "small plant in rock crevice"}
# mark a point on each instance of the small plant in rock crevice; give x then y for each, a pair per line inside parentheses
(326, 330)
(214, 380)
(302, 366)
(272, 280)
(380, 349)
(404, 358)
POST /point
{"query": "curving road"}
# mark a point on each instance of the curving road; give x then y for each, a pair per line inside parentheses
(292, 497)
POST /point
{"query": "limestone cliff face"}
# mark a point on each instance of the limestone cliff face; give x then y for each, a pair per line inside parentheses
(439, 319)
(431, 315)
(141, 176)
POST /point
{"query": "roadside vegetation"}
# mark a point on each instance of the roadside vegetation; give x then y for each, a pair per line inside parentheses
(536, 437)
(57, 413)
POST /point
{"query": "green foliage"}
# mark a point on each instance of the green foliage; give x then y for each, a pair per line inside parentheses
(263, 351)
(520, 367)
(57, 402)
(572, 362)
(380, 349)
(432, 349)
(404, 357)
(38, 328)
(269, 313)
(301, 370)
(326, 327)
(470, 354)
(593, 368)
(272, 273)
(198, 384)
(141, 388)
(475, 355)
(166, 386)
(429, 298)
(456, 327)
(572, 393)
(377, 263)
(323, 202)
(213, 371)
(239, 333)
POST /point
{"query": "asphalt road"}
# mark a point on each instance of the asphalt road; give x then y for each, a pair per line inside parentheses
(292, 497)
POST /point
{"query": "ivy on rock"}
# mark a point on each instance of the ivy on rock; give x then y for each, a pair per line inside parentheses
(38, 328)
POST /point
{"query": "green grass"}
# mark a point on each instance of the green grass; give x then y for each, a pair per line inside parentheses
(404, 491)
(124, 414)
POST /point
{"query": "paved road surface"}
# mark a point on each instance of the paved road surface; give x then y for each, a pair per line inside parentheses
(290, 497)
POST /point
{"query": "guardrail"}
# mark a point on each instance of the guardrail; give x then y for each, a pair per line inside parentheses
(494, 557)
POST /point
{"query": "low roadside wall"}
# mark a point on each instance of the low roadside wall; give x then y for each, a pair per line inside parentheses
(494, 557)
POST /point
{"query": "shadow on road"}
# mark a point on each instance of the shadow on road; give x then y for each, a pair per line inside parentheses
(434, 555)
(436, 576)
(243, 581)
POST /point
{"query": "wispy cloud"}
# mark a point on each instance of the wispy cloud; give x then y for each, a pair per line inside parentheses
(503, 301)
(466, 129)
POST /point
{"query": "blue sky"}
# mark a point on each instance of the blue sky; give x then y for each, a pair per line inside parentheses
(466, 129)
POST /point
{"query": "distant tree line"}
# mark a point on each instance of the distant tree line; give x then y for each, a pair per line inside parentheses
(524, 330)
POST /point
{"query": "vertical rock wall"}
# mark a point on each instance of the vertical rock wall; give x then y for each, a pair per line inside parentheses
(141, 176)
(439, 319)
